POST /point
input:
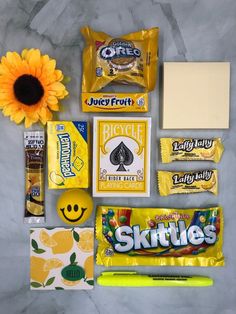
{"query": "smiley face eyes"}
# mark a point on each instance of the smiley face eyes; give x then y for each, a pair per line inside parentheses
(76, 208)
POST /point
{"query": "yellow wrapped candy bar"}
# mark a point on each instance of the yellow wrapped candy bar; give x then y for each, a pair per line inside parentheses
(187, 182)
(159, 236)
(173, 149)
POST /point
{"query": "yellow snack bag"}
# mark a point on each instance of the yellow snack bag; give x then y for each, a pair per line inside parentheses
(159, 236)
(68, 164)
(173, 149)
(187, 182)
(128, 59)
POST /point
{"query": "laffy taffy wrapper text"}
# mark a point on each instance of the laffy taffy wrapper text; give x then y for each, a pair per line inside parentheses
(177, 149)
(159, 236)
(174, 182)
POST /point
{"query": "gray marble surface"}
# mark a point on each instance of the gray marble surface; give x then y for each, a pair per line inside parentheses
(191, 30)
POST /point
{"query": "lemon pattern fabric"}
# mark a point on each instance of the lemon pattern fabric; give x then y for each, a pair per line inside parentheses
(61, 258)
(68, 154)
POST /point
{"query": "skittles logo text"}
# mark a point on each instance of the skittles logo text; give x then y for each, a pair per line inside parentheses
(65, 155)
(132, 238)
(119, 48)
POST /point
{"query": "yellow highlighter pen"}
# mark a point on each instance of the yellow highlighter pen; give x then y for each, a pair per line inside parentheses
(133, 279)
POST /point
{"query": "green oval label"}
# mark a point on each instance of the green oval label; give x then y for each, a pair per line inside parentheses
(73, 273)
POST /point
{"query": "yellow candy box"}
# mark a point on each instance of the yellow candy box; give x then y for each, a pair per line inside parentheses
(68, 151)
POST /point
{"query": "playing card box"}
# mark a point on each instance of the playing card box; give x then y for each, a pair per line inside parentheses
(121, 157)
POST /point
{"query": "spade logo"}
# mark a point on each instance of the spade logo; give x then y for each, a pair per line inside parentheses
(121, 156)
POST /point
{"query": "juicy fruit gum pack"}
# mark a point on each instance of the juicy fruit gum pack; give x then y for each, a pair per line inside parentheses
(128, 59)
(173, 149)
(68, 151)
(174, 182)
(159, 236)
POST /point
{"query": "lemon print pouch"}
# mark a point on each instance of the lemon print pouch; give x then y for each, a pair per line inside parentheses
(61, 258)
(34, 145)
(68, 162)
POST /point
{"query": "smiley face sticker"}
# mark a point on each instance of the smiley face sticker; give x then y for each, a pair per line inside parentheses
(75, 206)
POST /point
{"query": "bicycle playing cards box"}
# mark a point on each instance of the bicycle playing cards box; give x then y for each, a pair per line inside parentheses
(121, 154)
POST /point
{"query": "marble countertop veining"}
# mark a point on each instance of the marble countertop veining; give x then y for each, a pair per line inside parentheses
(190, 30)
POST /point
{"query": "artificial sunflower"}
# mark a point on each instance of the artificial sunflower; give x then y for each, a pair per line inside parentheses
(30, 86)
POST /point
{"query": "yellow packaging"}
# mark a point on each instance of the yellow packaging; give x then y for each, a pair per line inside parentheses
(159, 236)
(115, 102)
(68, 154)
(34, 144)
(173, 149)
(129, 59)
(121, 154)
(187, 182)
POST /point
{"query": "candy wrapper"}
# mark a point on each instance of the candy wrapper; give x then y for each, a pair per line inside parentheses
(187, 182)
(34, 145)
(128, 59)
(173, 149)
(159, 236)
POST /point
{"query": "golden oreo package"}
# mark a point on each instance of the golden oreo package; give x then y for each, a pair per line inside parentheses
(128, 59)
(173, 149)
(68, 154)
(173, 182)
(159, 236)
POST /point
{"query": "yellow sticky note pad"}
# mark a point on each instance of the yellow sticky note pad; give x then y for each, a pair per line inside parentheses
(196, 95)
(68, 154)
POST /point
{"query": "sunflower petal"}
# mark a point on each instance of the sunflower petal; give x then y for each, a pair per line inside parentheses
(18, 116)
(49, 67)
(24, 53)
(57, 87)
(34, 59)
(29, 122)
(13, 58)
(59, 75)
(45, 59)
(54, 107)
(52, 100)
(45, 115)
(7, 110)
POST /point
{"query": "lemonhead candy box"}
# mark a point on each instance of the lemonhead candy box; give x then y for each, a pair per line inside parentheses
(68, 165)
(121, 156)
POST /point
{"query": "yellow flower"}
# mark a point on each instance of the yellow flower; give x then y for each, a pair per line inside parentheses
(30, 86)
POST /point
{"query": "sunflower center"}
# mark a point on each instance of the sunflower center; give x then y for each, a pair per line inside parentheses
(28, 89)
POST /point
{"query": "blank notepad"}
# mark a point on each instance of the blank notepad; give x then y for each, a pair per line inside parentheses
(196, 95)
